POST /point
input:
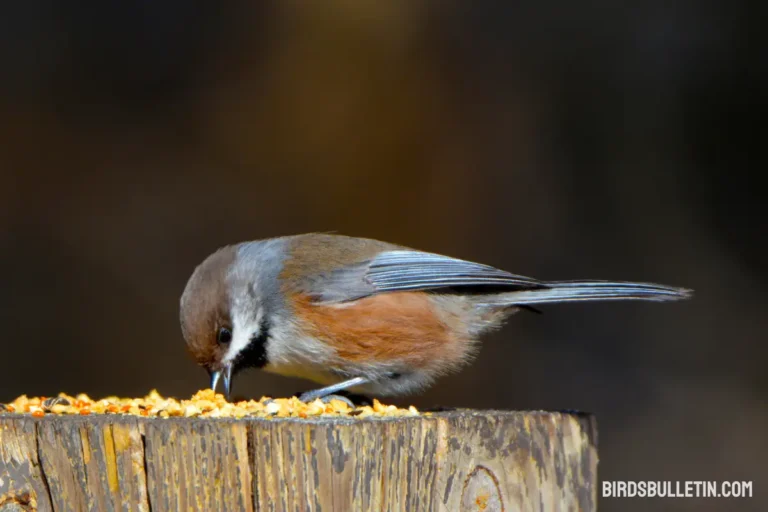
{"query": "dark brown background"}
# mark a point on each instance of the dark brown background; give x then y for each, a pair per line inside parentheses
(556, 139)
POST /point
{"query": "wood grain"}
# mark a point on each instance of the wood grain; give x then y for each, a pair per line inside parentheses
(453, 461)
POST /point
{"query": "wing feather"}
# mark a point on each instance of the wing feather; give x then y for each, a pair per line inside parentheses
(402, 270)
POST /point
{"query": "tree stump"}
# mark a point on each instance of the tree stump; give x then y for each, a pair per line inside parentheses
(452, 461)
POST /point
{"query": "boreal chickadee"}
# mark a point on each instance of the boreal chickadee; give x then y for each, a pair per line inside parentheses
(359, 314)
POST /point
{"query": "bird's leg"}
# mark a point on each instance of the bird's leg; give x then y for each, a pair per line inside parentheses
(327, 393)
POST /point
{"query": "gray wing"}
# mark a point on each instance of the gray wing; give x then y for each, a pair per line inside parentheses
(408, 270)
(413, 270)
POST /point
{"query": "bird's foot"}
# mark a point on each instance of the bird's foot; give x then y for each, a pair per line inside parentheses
(350, 399)
(327, 399)
(333, 389)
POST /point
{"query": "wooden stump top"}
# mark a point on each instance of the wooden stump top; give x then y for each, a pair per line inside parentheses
(460, 460)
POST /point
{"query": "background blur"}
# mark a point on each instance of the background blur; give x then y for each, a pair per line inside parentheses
(560, 140)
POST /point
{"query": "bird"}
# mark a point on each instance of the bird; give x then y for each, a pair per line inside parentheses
(360, 315)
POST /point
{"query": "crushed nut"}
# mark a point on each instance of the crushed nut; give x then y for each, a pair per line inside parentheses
(205, 404)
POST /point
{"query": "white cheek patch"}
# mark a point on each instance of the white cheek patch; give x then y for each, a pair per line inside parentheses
(245, 326)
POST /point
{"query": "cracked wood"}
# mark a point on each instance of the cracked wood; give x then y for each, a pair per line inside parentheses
(459, 460)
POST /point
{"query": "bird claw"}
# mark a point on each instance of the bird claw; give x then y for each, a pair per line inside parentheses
(327, 399)
(309, 397)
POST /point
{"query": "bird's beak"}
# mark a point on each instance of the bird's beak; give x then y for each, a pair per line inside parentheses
(226, 373)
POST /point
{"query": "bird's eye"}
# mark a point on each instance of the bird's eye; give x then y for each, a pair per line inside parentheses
(224, 336)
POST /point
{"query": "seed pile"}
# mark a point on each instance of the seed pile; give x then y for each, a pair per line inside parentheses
(205, 404)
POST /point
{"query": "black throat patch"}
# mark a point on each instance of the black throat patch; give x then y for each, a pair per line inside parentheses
(254, 355)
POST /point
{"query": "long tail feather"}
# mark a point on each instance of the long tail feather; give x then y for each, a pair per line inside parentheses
(572, 291)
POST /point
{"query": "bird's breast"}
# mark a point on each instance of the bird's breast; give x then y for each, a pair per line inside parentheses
(400, 327)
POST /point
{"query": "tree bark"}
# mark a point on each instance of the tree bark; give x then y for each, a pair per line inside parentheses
(460, 460)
